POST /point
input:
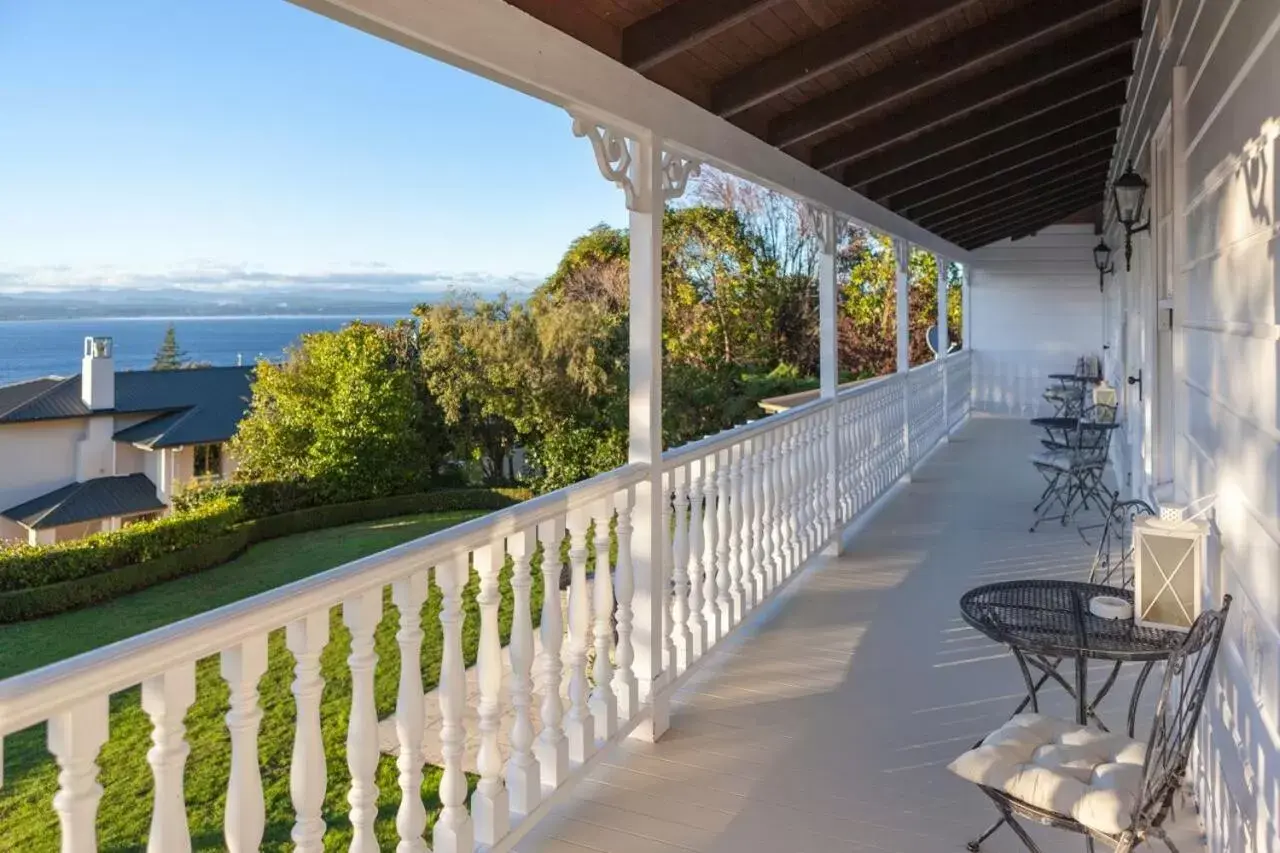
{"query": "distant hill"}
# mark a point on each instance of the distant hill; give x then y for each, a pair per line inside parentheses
(184, 302)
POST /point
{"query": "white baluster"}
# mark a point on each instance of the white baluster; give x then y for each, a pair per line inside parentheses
(747, 578)
(75, 736)
(245, 817)
(770, 485)
(668, 565)
(794, 513)
(453, 832)
(759, 580)
(578, 724)
(308, 776)
(680, 638)
(361, 616)
(490, 808)
(552, 747)
(724, 549)
(166, 699)
(524, 778)
(409, 594)
(603, 704)
(697, 628)
(710, 540)
(736, 536)
(626, 688)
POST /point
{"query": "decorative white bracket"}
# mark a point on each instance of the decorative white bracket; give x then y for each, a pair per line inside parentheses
(676, 172)
(826, 226)
(618, 158)
(902, 254)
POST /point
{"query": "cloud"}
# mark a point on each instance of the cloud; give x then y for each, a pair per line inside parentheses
(212, 277)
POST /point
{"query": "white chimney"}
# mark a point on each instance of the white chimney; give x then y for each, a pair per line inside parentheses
(98, 374)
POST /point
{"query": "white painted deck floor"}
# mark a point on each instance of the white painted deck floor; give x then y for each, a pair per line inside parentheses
(828, 728)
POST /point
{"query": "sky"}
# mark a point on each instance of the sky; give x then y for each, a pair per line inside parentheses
(155, 140)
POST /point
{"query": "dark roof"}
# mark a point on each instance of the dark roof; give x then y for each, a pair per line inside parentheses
(21, 393)
(104, 497)
(952, 113)
(194, 406)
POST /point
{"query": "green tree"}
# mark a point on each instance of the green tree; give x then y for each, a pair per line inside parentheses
(342, 409)
(169, 356)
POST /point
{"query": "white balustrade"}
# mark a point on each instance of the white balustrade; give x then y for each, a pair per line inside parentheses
(746, 508)
(166, 698)
(489, 803)
(361, 615)
(524, 777)
(409, 595)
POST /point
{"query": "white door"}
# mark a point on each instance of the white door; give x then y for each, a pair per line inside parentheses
(1149, 392)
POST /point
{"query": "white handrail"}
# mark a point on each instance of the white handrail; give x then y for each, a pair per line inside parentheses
(35, 696)
(736, 435)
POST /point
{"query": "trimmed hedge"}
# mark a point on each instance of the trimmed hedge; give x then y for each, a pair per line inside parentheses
(28, 566)
(17, 604)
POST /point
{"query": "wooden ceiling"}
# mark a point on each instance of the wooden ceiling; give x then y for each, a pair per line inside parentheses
(979, 119)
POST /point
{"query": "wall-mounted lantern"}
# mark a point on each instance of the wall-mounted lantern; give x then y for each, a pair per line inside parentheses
(1102, 260)
(1129, 194)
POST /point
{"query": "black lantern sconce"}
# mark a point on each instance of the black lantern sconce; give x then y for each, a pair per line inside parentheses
(1129, 194)
(1102, 260)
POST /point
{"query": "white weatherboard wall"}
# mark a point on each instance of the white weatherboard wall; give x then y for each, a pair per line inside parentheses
(35, 458)
(1214, 66)
(1035, 309)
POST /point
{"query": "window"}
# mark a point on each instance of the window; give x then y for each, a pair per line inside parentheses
(208, 460)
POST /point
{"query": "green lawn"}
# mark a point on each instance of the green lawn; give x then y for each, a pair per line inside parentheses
(27, 819)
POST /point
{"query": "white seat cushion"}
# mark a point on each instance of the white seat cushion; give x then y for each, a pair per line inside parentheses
(1079, 772)
(1059, 460)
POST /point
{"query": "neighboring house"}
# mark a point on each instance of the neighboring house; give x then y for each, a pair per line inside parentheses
(96, 451)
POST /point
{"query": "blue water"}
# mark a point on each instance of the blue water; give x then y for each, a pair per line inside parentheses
(33, 348)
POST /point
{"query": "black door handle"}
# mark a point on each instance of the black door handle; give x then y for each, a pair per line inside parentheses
(1137, 380)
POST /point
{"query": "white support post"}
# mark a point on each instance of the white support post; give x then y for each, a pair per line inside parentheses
(902, 261)
(649, 176)
(827, 226)
(644, 443)
(944, 345)
(966, 316)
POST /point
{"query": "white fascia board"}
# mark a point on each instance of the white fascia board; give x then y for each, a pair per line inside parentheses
(504, 44)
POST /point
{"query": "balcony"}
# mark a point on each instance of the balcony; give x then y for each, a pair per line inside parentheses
(745, 516)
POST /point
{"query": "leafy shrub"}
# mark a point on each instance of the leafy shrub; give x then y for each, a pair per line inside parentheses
(29, 566)
(37, 582)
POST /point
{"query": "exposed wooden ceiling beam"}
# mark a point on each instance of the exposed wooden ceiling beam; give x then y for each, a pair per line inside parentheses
(978, 45)
(966, 160)
(826, 51)
(1038, 83)
(1000, 186)
(1012, 170)
(1025, 229)
(971, 138)
(1093, 188)
(1001, 201)
(682, 25)
(1026, 221)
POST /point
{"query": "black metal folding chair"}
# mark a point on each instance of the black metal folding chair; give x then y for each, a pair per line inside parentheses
(1164, 761)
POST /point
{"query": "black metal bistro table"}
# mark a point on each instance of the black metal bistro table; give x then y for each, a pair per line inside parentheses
(1045, 622)
(1058, 430)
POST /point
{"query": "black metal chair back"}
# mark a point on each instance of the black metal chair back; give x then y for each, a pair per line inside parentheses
(1113, 561)
(1182, 695)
